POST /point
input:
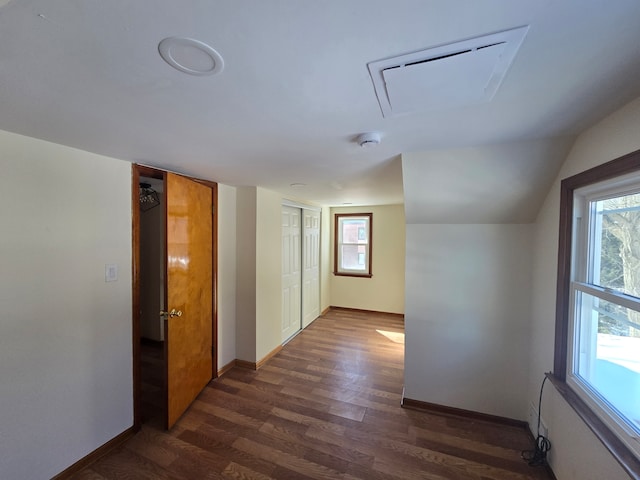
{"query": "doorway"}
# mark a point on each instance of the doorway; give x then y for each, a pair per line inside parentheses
(300, 269)
(152, 209)
(310, 266)
(291, 272)
(174, 285)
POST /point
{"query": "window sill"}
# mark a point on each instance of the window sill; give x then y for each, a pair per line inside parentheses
(361, 275)
(625, 457)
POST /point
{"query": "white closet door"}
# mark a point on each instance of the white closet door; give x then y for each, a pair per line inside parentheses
(310, 267)
(291, 272)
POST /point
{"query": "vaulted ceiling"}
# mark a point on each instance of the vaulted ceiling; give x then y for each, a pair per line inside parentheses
(295, 90)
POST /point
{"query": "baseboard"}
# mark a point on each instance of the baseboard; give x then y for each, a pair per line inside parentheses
(96, 454)
(325, 311)
(245, 364)
(268, 357)
(226, 368)
(460, 412)
(348, 309)
(259, 363)
(427, 407)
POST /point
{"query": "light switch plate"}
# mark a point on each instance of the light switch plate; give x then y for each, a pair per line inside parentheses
(111, 272)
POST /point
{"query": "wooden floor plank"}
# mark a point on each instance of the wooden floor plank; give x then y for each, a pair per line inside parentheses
(327, 406)
(235, 471)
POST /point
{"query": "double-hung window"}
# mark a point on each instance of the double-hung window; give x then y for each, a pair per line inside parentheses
(598, 323)
(352, 252)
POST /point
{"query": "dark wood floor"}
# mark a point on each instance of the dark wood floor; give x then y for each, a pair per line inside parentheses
(152, 403)
(326, 407)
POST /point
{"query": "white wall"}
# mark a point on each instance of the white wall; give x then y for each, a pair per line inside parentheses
(259, 272)
(226, 274)
(576, 452)
(466, 316)
(268, 272)
(65, 334)
(246, 273)
(325, 259)
(384, 291)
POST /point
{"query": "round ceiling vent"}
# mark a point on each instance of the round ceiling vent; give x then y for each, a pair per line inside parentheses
(190, 56)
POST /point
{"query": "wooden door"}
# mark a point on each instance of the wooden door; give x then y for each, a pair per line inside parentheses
(291, 272)
(189, 290)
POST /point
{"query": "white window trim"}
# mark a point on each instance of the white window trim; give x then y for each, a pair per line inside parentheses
(338, 269)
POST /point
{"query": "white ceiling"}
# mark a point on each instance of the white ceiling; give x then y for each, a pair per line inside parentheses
(295, 91)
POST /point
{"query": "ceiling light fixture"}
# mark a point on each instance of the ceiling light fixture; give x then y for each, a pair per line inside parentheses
(148, 197)
(370, 139)
(190, 56)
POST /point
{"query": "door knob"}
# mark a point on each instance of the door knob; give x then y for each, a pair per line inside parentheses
(171, 314)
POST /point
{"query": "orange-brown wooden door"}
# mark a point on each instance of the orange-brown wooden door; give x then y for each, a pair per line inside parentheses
(189, 290)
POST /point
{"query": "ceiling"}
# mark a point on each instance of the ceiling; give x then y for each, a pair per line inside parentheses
(295, 91)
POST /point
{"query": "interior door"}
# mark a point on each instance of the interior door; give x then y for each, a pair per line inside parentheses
(310, 266)
(291, 272)
(189, 285)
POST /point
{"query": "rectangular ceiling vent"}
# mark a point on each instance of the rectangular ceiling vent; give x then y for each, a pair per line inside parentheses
(449, 76)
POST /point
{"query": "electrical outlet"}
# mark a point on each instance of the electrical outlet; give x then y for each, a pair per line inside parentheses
(533, 423)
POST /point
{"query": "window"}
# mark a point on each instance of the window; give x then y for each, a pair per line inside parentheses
(352, 253)
(597, 356)
(604, 354)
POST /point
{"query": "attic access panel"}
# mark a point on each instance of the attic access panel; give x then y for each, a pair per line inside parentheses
(453, 75)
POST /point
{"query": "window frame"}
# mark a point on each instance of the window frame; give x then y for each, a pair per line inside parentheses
(582, 403)
(337, 236)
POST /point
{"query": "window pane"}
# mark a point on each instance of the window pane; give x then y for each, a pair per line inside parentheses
(616, 244)
(608, 356)
(352, 244)
(354, 231)
(352, 256)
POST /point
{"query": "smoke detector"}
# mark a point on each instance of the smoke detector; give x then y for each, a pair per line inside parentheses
(370, 139)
